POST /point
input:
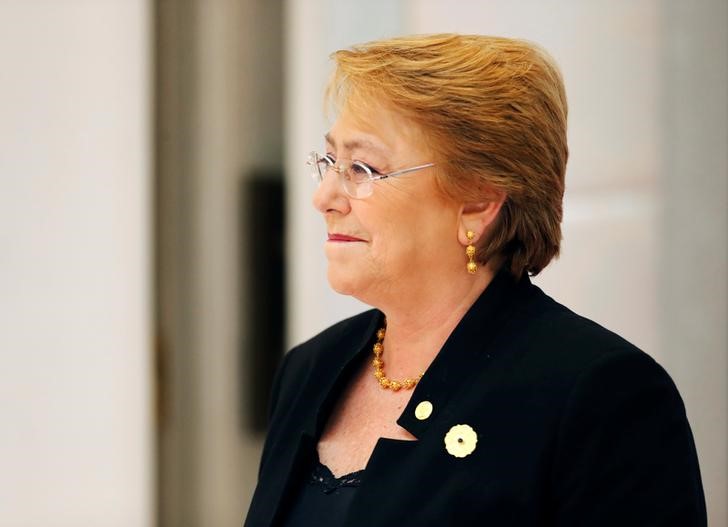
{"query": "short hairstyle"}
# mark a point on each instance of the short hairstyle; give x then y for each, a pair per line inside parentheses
(493, 111)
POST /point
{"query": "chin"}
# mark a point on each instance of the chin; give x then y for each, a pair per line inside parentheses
(340, 284)
(343, 283)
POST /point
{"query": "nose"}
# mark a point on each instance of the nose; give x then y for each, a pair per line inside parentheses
(330, 195)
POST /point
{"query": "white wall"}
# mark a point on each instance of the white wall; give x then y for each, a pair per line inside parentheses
(647, 125)
(75, 416)
(693, 253)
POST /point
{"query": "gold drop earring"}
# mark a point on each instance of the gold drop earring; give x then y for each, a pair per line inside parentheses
(470, 253)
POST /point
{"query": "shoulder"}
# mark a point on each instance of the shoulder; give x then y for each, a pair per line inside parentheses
(554, 334)
(550, 350)
(622, 423)
(593, 361)
(551, 318)
(547, 350)
(617, 417)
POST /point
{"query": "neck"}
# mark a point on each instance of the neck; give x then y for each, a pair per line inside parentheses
(418, 325)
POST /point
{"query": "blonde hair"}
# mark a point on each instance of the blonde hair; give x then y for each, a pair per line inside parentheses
(493, 111)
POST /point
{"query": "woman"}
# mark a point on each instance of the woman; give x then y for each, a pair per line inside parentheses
(467, 394)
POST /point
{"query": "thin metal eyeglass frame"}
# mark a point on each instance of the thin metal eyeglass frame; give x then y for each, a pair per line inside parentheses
(314, 158)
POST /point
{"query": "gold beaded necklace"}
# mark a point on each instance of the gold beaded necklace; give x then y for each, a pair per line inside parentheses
(378, 363)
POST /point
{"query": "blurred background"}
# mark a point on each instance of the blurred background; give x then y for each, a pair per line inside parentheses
(159, 252)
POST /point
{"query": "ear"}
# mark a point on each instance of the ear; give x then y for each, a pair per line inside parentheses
(479, 217)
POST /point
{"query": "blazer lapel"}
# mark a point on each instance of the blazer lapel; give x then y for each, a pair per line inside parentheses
(467, 351)
(468, 345)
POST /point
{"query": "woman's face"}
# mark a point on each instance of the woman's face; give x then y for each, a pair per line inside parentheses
(401, 239)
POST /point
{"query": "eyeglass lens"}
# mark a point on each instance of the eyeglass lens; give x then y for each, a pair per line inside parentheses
(353, 176)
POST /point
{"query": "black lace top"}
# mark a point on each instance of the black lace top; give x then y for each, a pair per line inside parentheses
(322, 499)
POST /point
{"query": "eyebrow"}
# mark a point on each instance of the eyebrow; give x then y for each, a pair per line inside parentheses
(356, 144)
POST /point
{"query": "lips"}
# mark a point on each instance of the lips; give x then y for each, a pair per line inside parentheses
(336, 237)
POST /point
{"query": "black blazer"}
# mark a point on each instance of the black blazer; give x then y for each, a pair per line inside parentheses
(575, 426)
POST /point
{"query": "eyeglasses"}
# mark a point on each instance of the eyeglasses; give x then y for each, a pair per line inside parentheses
(354, 176)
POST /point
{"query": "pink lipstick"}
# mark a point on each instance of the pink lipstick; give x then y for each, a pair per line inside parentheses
(336, 237)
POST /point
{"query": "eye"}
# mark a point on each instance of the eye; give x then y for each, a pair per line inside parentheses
(359, 171)
(373, 170)
(330, 159)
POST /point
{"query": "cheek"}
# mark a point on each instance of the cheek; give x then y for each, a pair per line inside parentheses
(407, 238)
(405, 226)
(434, 237)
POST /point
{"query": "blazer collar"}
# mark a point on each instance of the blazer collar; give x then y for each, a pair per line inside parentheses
(468, 345)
